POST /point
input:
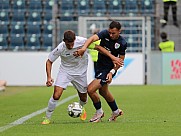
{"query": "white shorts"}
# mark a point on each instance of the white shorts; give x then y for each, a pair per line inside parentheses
(78, 81)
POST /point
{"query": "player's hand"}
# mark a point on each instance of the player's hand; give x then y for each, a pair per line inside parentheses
(49, 82)
(118, 61)
(109, 78)
(118, 64)
(79, 52)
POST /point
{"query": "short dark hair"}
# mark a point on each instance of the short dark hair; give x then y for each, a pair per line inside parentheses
(163, 35)
(115, 24)
(69, 36)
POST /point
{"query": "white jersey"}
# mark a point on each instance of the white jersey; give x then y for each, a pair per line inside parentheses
(69, 63)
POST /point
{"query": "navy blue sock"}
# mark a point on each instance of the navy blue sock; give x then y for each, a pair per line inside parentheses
(97, 105)
(113, 105)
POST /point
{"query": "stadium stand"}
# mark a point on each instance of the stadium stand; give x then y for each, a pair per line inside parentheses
(4, 16)
(24, 18)
(16, 42)
(32, 42)
(3, 42)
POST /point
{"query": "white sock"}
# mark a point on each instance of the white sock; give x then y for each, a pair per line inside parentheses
(99, 111)
(82, 103)
(116, 111)
(51, 107)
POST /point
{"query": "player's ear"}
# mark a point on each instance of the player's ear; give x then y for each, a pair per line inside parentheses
(120, 31)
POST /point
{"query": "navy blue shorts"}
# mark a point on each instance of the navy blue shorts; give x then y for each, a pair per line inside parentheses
(102, 74)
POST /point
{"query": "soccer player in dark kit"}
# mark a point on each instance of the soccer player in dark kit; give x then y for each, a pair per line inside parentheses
(112, 41)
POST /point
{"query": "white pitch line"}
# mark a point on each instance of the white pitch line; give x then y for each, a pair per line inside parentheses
(25, 118)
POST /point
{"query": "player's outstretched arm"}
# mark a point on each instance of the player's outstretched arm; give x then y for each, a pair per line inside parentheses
(80, 52)
(116, 60)
(49, 81)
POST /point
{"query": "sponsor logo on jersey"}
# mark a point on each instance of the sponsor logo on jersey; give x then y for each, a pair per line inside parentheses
(99, 75)
(117, 45)
(106, 39)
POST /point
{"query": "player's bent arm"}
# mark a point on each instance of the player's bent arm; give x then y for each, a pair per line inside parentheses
(89, 41)
(116, 60)
(48, 72)
(116, 67)
(80, 52)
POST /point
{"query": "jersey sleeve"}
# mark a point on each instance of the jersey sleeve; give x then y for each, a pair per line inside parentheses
(56, 52)
(124, 46)
(102, 34)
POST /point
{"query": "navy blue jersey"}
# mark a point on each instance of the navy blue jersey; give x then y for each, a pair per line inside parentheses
(115, 47)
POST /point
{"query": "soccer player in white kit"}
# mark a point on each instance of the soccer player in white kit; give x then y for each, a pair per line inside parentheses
(72, 69)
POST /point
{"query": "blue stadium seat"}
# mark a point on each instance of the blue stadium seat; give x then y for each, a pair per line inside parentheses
(32, 42)
(47, 42)
(19, 4)
(147, 6)
(3, 42)
(66, 10)
(3, 28)
(114, 7)
(17, 28)
(16, 42)
(5, 4)
(99, 7)
(83, 8)
(4, 16)
(48, 28)
(33, 28)
(48, 4)
(18, 16)
(34, 16)
(47, 16)
(35, 5)
(131, 6)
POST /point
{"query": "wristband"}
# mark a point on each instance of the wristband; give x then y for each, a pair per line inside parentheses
(113, 71)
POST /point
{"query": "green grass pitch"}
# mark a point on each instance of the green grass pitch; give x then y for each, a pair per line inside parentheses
(148, 111)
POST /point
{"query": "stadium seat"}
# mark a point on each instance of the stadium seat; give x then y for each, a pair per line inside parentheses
(18, 16)
(18, 4)
(35, 5)
(17, 28)
(47, 42)
(32, 42)
(131, 6)
(33, 28)
(4, 16)
(48, 28)
(66, 10)
(147, 6)
(3, 42)
(47, 16)
(34, 16)
(3, 28)
(5, 4)
(16, 42)
(114, 7)
(83, 8)
(48, 4)
(99, 7)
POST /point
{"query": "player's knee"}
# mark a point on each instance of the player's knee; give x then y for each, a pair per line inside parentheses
(56, 96)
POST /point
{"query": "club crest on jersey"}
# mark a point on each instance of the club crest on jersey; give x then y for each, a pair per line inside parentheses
(117, 45)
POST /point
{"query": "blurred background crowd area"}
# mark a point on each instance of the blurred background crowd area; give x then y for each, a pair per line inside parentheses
(38, 25)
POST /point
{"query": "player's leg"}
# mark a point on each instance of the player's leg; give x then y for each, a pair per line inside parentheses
(103, 91)
(80, 83)
(92, 88)
(61, 83)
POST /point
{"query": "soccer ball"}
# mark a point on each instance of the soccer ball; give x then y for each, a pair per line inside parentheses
(74, 110)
